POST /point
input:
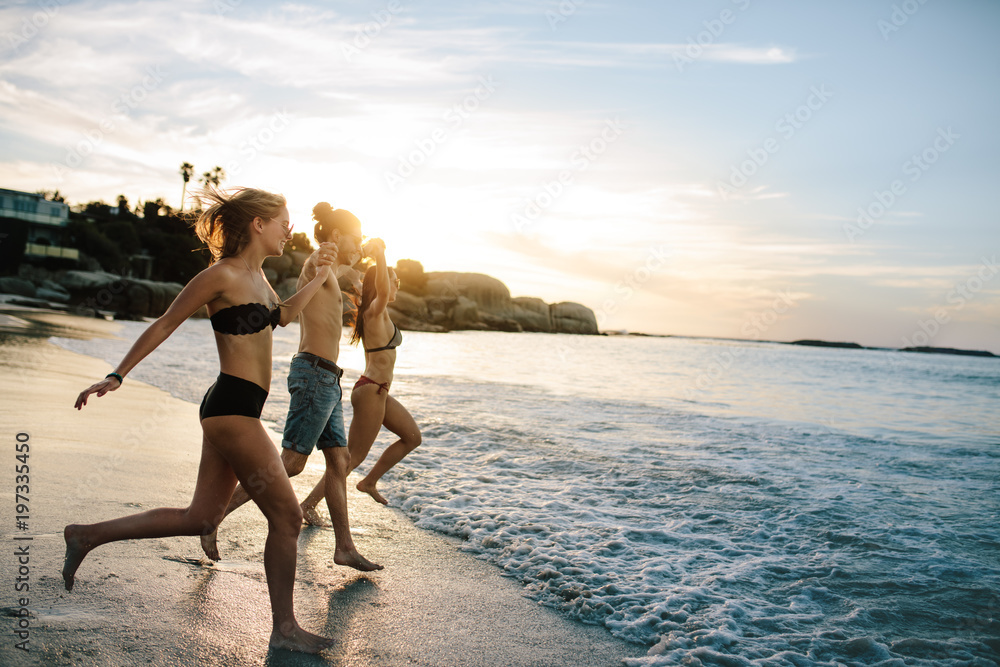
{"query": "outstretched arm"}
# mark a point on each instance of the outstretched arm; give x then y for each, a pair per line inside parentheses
(317, 270)
(381, 300)
(203, 288)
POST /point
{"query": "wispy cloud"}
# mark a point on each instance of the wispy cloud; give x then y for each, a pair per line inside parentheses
(360, 94)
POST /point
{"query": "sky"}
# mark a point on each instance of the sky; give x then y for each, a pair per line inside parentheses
(734, 168)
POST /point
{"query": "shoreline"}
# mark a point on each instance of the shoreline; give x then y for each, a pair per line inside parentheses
(816, 343)
(155, 601)
(9, 310)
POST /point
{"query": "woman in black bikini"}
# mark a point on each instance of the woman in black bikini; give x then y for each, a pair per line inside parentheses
(240, 229)
(370, 399)
(373, 406)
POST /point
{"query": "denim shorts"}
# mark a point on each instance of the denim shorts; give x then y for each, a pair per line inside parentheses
(315, 414)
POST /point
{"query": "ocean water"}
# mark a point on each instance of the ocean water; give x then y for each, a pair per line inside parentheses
(722, 503)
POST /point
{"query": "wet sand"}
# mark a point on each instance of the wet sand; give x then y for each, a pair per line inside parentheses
(157, 602)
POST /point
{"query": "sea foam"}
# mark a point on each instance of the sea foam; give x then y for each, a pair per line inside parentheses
(811, 507)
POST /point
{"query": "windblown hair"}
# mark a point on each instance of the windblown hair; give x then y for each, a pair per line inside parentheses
(225, 225)
(367, 296)
(329, 219)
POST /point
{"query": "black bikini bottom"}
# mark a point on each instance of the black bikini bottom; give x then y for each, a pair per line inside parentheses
(231, 395)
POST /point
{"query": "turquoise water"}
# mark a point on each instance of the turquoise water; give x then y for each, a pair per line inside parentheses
(719, 502)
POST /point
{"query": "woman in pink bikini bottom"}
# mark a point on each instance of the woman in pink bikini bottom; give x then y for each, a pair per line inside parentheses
(373, 406)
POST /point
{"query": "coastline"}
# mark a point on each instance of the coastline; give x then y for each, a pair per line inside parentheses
(154, 601)
(817, 343)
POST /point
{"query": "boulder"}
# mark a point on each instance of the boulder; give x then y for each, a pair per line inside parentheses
(53, 286)
(479, 326)
(51, 295)
(139, 299)
(441, 318)
(299, 258)
(84, 281)
(440, 307)
(18, 286)
(349, 311)
(403, 321)
(126, 296)
(281, 265)
(161, 296)
(531, 313)
(464, 313)
(97, 290)
(569, 317)
(412, 306)
(350, 280)
(498, 323)
(286, 288)
(147, 298)
(490, 294)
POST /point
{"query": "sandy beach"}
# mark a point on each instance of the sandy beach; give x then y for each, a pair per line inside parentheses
(157, 602)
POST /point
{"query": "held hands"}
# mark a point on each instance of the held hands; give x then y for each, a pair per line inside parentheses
(374, 248)
(100, 388)
(326, 257)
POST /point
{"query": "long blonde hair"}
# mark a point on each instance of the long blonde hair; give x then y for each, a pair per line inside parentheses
(224, 226)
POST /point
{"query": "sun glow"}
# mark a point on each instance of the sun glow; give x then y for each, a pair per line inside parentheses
(430, 224)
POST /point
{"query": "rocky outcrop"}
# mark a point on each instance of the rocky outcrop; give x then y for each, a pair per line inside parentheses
(477, 302)
(52, 291)
(285, 288)
(826, 343)
(18, 286)
(949, 350)
(411, 306)
(126, 297)
(531, 313)
(448, 301)
(569, 317)
(489, 294)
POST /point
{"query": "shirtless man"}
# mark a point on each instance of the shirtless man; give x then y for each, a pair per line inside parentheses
(315, 414)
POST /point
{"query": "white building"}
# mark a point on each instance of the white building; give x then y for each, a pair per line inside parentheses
(39, 222)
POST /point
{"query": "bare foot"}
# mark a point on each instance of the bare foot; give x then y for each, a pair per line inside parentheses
(313, 518)
(77, 548)
(209, 544)
(369, 488)
(355, 560)
(299, 640)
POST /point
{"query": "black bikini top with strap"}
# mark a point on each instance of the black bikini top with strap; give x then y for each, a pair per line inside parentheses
(246, 318)
(397, 338)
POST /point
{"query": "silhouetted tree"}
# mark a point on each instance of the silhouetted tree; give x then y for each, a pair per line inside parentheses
(187, 171)
(213, 178)
(51, 195)
(411, 276)
(124, 211)
(176, 257)
(97, 209)
(91, 240)
(122, 234)
(299, 242)
(151, 210)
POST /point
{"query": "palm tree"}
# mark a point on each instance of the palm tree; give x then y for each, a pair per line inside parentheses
(187, 171)
(213, 178)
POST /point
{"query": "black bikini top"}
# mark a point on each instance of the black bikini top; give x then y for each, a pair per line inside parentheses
(397, 338)
(246, 318)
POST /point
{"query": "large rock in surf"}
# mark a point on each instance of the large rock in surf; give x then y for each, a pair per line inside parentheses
(531, 313)
(569, 317)
(412, 306)
(18, 286)
(476, 301)
(126, 296)
(489, 294)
